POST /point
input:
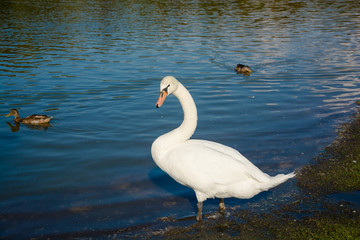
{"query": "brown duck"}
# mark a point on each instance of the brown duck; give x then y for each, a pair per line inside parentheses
(240, 68)
(34, 119)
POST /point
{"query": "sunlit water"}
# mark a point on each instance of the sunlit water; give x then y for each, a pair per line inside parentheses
(95, 66)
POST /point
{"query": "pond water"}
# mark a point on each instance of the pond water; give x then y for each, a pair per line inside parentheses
(96, 66)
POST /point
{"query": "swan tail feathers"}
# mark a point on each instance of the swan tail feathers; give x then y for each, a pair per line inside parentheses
(278, 179)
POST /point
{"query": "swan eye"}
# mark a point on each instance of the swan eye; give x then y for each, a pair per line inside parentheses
(166, 89)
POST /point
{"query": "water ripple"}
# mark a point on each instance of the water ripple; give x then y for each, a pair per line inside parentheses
(95, 66)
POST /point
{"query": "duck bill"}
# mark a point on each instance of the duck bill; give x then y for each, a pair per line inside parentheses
(161, 99)
(8, 115)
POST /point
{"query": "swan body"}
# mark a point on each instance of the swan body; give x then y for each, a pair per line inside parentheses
(34, 119)
(209, 168)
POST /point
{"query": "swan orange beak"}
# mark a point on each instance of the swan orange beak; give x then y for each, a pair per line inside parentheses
(161, 99)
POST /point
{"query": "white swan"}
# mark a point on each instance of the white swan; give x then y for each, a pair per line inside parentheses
(209, 168)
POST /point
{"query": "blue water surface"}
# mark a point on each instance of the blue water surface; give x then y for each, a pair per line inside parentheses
(96, 66)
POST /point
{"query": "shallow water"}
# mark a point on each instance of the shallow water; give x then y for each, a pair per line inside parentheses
(96, 66)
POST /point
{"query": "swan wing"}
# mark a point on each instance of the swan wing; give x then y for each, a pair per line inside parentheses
(254, 171)
(201, 164)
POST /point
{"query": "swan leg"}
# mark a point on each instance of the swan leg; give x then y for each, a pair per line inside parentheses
(199, 211)
(222, 205)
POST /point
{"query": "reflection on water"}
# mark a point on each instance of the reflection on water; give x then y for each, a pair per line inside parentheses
(16, 126)
(96, 67)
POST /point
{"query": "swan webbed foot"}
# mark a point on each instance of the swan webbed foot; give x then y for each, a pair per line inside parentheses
(199, 211)
(222, 206)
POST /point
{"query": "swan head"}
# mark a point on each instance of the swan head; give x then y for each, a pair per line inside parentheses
(168, 85)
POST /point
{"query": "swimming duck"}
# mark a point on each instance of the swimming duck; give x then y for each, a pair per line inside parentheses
(209, 168)
(242, 69)
(32, 119)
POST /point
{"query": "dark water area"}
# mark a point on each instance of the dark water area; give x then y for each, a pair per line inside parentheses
(96, 66)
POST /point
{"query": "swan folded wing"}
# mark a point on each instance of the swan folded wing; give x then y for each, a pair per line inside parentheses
(202, 164)
(235, 155)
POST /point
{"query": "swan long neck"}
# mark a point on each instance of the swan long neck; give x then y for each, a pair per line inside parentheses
(184, 131)
(188, 126)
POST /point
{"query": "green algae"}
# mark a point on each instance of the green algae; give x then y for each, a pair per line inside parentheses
(337, 169)
(334, 222)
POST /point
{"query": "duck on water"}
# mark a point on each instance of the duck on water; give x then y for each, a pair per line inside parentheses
(244, 69)
(34, 119)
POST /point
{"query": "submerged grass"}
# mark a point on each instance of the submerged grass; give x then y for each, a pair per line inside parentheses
(323, 224)
(314, 214)
(337, 169)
